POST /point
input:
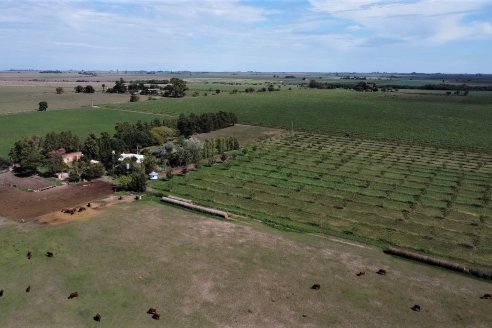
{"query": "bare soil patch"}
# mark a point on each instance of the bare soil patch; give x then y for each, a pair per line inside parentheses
(30, 205)
(9, 179)
(59, 217)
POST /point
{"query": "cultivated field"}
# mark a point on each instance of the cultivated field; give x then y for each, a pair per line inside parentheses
(424, 198)
(443, 120)
(203, 272)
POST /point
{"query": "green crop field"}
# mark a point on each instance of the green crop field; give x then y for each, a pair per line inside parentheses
(442, 120)
(428, 199)
(80, 121)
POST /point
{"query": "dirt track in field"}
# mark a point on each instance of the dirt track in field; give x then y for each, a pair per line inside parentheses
(30, 205)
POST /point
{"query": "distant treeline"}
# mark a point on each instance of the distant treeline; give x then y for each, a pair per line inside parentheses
(364, 86)
(51, 72)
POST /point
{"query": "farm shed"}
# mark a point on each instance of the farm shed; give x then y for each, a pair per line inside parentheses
(153, 175)
(138, 157)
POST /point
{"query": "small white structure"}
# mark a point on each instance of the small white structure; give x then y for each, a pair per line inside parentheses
(138, 157)
(153, 175)
(93, 161)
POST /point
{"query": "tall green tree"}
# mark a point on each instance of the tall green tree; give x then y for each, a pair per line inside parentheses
(177, 88)
(27, 153)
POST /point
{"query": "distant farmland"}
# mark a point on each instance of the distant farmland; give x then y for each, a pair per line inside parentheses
(442, 120)
(424, 198)
(80, 121)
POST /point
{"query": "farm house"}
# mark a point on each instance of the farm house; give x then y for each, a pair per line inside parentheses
(139, 158)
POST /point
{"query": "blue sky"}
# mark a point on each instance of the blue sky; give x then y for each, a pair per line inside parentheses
(449, 36)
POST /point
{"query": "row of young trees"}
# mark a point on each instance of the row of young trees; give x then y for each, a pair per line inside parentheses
(213, 147)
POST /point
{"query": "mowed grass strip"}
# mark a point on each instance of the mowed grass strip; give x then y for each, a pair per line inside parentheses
(80, 121)
(378, 208)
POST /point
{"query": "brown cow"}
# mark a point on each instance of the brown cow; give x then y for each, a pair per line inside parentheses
(156, 316)
(1, 292)
(315, 286)
(416, 308)
(120, 198)
(28, 289)
(486, 296)
(88, 204)
(381, 272)
(97, 317)
(81, 209)
(152, 311)
(29, 255)
(49, 254)
(73, 295)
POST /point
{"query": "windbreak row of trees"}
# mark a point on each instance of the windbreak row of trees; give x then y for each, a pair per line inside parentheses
(188, 125)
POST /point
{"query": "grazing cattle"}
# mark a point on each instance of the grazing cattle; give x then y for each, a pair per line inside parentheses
(486, 296)
(361, 273)
(88, 204)
(315, 286)
(120, 198)
(381, 272)
(416, 308)
(1, 292)
(28, 289)
(97, 317)
(29, 255)
(152, 311)
(73, 295)
(49, 254)
(81, 209)
(156, 316)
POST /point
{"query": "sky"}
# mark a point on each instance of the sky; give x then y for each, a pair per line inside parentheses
(447, 36)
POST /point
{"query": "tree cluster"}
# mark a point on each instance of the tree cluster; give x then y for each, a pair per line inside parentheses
(119, 87)
(179, 153)
(177, 88)
(203, 123)
(86, 89)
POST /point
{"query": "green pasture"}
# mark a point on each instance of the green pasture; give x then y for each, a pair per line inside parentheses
(203, 272)
(416, 197)
(80, 121)
(440, 120)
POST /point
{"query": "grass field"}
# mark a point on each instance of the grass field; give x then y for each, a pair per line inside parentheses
(428, 199)
(441, 120)
(17, 99)
(203, 272)
(80, 121)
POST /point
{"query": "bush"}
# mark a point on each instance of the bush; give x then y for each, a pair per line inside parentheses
(4, 163)
(43, 106)
(134, 98)
(59, 90)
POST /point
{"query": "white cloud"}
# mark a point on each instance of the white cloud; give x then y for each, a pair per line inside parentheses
(419, 21)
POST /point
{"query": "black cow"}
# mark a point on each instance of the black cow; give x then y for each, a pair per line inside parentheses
(97, 317)
(73, 295)
(416, 308)
(381, 272)
(49, 254)
(315, 286)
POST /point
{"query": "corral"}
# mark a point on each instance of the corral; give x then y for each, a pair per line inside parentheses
(30, 205)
